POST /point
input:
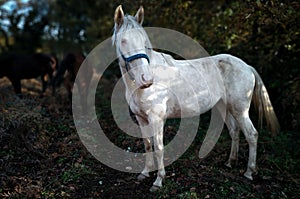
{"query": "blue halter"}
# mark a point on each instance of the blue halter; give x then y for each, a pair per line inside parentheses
(134, 57)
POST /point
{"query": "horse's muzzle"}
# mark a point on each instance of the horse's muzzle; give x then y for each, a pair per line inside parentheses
(146, 80)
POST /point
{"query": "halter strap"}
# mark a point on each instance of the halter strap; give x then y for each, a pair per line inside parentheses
(136, 56)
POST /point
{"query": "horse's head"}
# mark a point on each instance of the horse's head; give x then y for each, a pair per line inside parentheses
(133, 47)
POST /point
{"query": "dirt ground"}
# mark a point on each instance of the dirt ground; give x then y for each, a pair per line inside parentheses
(41, 156)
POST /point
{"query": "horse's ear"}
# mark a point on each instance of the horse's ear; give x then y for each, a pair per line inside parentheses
(140, 15)
(119, 16)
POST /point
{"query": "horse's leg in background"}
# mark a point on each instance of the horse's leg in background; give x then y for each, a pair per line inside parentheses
(50, 73)
(83, 81)
(17, 86)
(45, 79)
(44, 83)
(156, 119)
(58, 77)
(69, 86)
(234, 132)
(82, 87)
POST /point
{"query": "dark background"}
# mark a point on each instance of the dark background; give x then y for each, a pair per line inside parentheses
(41, 155)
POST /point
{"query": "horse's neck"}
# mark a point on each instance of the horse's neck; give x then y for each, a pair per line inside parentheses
(158, 60)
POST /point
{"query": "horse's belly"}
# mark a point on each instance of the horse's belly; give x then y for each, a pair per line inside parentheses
(24, 72)
(189, 103)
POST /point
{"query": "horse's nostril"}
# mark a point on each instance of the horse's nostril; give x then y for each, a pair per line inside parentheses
(146, 86)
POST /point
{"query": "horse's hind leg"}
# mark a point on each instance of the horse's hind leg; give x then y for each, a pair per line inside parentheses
(234, 132)
(251, 136)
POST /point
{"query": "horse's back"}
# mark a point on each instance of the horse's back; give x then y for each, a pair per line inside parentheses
(31, 66)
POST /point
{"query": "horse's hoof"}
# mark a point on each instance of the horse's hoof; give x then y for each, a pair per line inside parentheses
(154, 188)
(248, 176)
(228, 165)
(141, 177)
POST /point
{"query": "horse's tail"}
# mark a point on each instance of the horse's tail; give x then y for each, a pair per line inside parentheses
(263, 105)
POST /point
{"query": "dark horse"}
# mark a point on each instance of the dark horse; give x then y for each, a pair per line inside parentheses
(67, 72)
(17, 67)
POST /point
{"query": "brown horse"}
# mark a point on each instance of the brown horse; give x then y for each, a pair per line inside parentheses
(17, 67)
(67, 72)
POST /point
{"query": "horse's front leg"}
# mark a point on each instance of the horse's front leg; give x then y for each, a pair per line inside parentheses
(149, 159)
(147, 138)
(156, 120)
(17, 86)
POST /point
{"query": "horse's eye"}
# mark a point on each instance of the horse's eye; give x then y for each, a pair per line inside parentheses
(123, 41)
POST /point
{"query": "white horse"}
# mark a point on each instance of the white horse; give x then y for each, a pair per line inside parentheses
(149, 75)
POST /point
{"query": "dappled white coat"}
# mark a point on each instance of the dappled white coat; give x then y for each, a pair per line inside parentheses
(169, 88)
